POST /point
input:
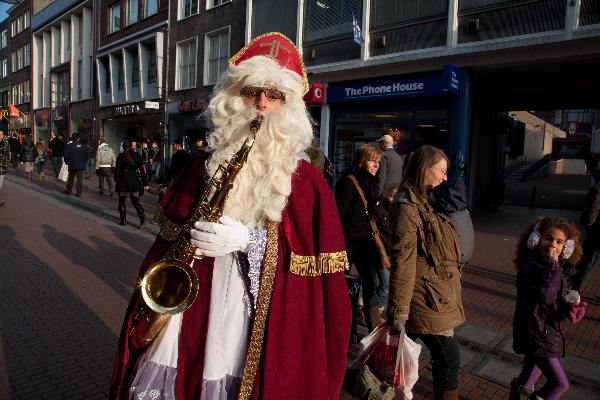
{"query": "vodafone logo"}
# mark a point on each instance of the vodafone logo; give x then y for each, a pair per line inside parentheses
(316, 94)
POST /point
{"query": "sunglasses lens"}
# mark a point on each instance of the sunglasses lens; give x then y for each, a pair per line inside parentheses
(250, 91)
(273, 94)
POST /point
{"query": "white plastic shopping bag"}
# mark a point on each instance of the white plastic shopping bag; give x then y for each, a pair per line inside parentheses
(409, 366)
(63, 175)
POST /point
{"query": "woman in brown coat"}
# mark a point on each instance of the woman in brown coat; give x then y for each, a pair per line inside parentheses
(425, 288)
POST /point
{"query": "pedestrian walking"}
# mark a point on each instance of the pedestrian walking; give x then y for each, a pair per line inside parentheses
(28, 155)
(390, 171)
(546, 255)
(450, 198)
(15, 150)
(40, 159)
(280, 233)
(90, 164)
(4, 160)
(130, 180)
(57, 145)
(199, 147)
(425, 279)
(360, 244)
(105, 163)
(155, 164)
(590, 219)
(76, 155)
(179, 159)
(145, 153)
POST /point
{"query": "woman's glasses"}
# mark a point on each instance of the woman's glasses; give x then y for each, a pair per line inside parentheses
(442, 171)
(270, 93)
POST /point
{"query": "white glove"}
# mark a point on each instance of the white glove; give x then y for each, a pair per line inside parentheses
(214, 239)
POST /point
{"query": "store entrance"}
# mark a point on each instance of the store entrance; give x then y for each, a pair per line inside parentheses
(410, 126)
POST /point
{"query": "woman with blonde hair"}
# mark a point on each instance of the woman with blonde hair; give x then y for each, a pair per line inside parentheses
(360, 244)
(425, 285)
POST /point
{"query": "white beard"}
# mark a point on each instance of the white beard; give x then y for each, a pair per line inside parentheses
(261, 189)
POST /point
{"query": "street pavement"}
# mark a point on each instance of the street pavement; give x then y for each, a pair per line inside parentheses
(68, 270)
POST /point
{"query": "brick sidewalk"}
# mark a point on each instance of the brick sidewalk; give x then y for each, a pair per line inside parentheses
(488, 290)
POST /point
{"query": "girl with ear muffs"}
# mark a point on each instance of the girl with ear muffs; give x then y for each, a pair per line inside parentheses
(546, 255)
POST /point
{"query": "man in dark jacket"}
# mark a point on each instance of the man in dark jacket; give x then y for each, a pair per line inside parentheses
(76, 155)
(15, 149)
(590, 218)
(390, 171)
(57, 145)
(179, 158)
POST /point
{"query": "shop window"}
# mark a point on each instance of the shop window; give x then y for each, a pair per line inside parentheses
(216, 54)
(330, 18)
(150, 7)
(214, 3)
(187, 8)
(186, 64)
(131, 12)
(114, 18)
(389, 12)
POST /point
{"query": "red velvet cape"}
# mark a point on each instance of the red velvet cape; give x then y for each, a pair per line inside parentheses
(308, 322)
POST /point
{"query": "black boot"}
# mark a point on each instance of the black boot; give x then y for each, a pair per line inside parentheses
(139, 209)
(123, 215)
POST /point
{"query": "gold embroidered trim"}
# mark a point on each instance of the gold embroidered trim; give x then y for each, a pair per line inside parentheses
(267, 281)
(324, 263)
(168, 230)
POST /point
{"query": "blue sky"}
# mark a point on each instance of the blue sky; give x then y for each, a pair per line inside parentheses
(3, 8)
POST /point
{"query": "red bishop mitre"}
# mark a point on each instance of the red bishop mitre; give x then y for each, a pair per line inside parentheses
(278, 47)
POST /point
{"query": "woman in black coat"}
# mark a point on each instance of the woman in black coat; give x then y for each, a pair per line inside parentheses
(360, 245)
(130, 179)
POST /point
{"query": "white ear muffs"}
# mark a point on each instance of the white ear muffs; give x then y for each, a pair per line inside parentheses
(568, 249)
(534, 238)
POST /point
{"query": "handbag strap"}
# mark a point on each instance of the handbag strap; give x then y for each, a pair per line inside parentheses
(364, 200)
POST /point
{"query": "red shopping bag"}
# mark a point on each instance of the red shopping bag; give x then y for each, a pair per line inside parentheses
(384, 359)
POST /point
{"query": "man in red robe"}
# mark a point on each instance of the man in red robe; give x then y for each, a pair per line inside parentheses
(272, 316)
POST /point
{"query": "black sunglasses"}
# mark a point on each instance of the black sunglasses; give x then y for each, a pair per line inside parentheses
(270, 93)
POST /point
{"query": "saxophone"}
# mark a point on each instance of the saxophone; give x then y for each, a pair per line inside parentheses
(170, 285)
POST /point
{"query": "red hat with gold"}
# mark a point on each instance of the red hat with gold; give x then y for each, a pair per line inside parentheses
(277, 46)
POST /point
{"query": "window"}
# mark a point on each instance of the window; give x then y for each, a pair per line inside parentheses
(131, 16)
(214, 3)
(68, 38)
(27, 55)
(107, 81)
(151, 7)
(114, 18)
(135, 69)
(26, 91)
(4, 40)
(186, 64)
(120, 74)
(471, 4)
(152, 64)
(79, 79)
(187, 8)
(330, 18)
(216, 55)
(26, 20)
(13, 61)
(80, 33)
(20, 58)
(4, 67)
(386, 12)
(13, 28)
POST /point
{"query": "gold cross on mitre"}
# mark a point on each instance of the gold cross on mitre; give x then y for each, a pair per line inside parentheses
(275, 46)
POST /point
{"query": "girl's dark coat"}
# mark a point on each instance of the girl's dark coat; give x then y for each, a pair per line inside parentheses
(541, 309)
(129, 177)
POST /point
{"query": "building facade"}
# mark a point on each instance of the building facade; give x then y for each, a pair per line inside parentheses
(203, 35)
(439, 72)
(62, 68)
(130, 70)
(4, 75)
(19, 63)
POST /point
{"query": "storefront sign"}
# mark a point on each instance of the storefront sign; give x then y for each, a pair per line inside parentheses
(128, 109)
(152, 104)
(432, 85)
(316, 94)
(190, 106)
